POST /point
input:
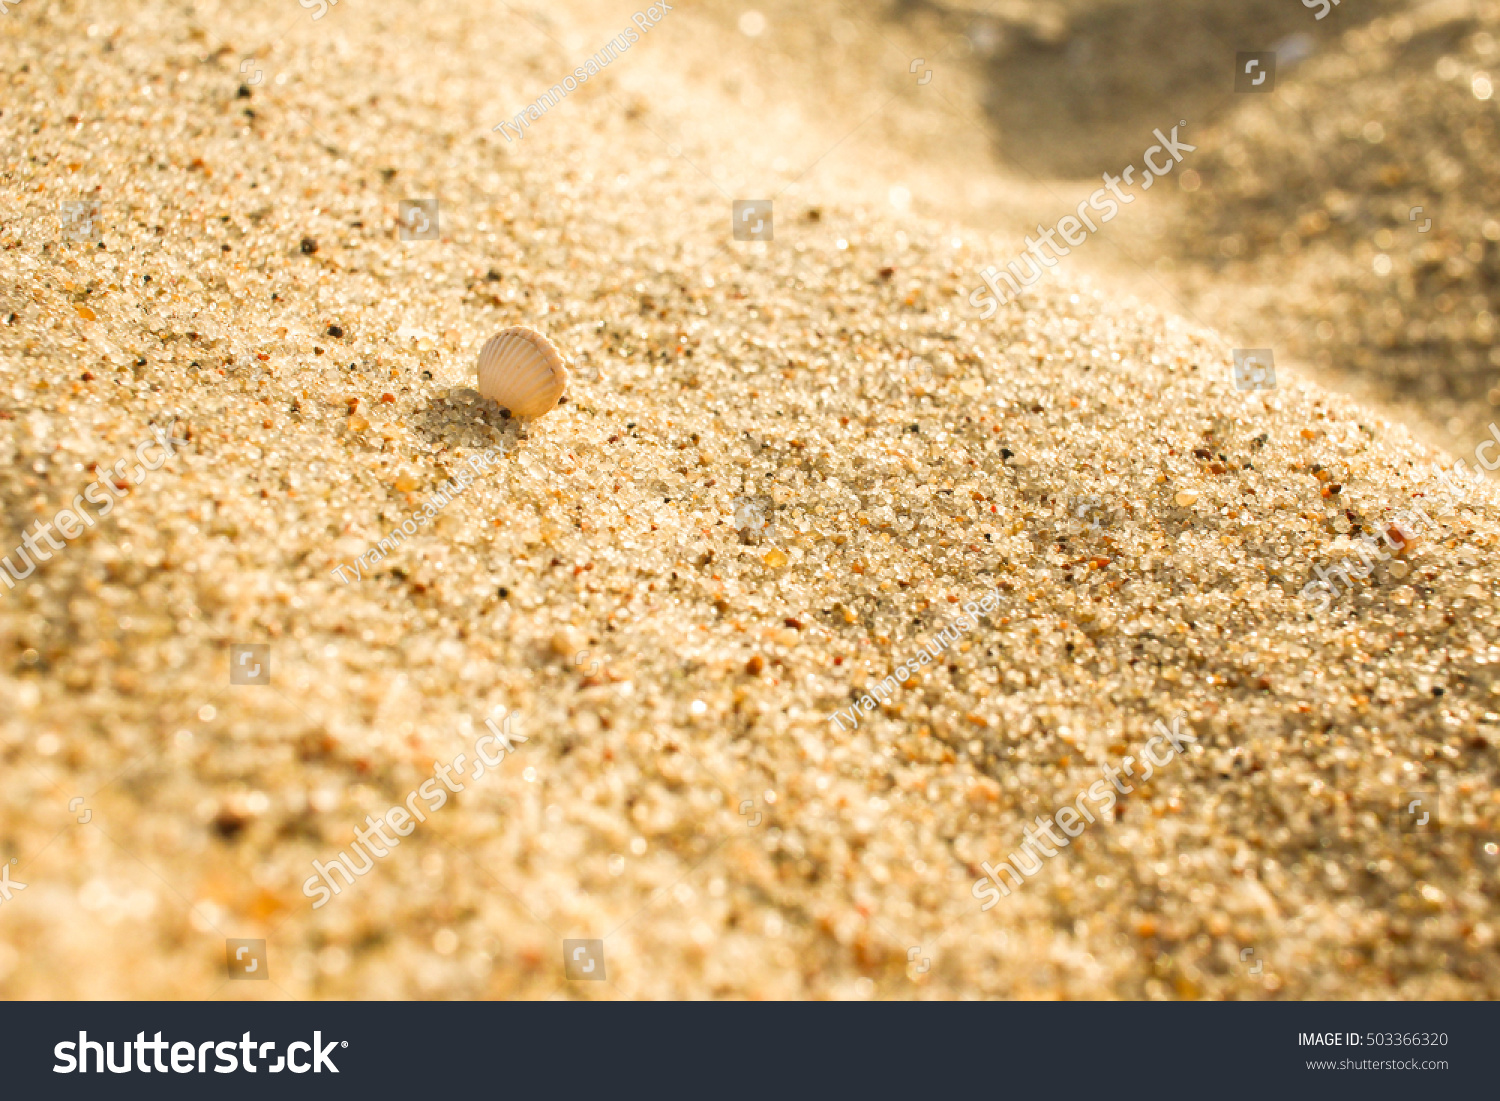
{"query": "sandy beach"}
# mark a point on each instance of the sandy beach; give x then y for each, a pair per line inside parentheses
(784, 468)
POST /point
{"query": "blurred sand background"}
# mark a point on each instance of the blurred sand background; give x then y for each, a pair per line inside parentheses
(682, 794)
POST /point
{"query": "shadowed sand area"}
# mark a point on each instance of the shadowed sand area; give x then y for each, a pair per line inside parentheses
(782, 468)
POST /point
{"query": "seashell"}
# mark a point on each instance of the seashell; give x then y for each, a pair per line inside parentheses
(521, 369)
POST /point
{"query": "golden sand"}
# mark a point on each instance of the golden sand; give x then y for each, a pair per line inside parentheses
(781, 469)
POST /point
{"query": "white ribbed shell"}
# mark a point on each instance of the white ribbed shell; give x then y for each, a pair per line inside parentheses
(521, 370)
